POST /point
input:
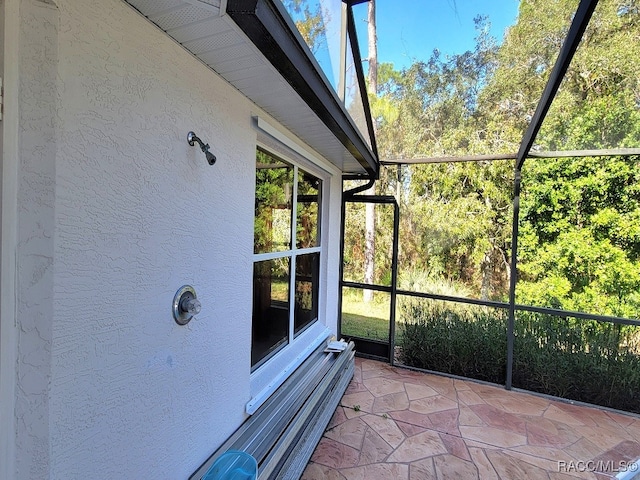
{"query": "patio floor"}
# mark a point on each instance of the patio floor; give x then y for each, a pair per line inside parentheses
(398, 424)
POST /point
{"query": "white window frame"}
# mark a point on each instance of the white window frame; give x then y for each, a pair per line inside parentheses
(271, 373)
(292, 254)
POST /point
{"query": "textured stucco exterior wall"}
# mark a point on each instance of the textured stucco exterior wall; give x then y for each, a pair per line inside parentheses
(139, 213)
(36, 206)
(116, 212)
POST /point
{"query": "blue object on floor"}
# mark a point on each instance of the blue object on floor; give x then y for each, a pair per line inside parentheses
(233, 465)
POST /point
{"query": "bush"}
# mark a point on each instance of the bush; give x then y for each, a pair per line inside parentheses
(588, 361)
(584, 360)
(461, 340)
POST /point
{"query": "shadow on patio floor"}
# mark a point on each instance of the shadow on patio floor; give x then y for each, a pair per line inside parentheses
(398, 424)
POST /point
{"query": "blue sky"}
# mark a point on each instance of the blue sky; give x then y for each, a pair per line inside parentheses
(409, 30)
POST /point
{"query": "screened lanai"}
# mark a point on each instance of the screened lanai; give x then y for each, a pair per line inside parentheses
(501, 240)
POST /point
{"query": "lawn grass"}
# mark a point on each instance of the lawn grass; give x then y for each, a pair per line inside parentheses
(366, 320)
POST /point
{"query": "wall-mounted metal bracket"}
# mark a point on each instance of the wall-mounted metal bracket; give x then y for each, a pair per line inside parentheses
(185, 305)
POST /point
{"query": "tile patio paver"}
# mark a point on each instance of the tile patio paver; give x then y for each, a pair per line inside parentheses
(399, 424)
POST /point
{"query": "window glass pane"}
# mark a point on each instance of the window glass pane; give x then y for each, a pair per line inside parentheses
(308, 210)
(307, 279)
(320, 24)
(352, 99)
(270, 307)
(274, 187)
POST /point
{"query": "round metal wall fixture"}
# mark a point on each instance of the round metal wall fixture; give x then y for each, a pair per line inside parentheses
(185, 305)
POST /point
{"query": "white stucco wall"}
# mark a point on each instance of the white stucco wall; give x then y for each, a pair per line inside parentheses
(36, 206)
(116, 212)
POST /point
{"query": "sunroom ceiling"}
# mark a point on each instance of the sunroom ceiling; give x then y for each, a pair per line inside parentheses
(203, 28)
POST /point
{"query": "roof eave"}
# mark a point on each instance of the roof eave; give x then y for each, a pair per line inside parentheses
(271, 30)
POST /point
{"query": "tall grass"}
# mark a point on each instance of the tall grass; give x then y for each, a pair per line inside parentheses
(585, 360)
(589, 361)
(457, 339)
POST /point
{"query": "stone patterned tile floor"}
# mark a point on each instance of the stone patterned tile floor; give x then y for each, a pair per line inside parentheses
(398, 424)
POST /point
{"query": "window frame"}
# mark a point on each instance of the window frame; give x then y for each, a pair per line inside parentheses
(299, 163)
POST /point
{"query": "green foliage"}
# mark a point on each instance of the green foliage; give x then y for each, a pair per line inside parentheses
(455, 218)
(580, 217)
(354, 253)
(580, 360)
(419, 280)
(308, 19)
(463, 214)
(580, 242)
(435, 103)
(597, 105)
(465, 341)
(579, 238)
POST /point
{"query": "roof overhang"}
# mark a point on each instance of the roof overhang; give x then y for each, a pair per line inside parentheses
(255, 46)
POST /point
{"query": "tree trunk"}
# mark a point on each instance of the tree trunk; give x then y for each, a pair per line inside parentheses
(370, 218)
(486, 269)
(373, 48)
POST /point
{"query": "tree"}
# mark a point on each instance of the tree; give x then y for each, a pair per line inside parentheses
(580, 220)
(461, 211)
(308, 22)
(580, 247)
(370, 218)
(579, 230)
(481, 102)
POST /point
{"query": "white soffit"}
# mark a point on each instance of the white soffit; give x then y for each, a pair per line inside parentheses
(203, 28)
